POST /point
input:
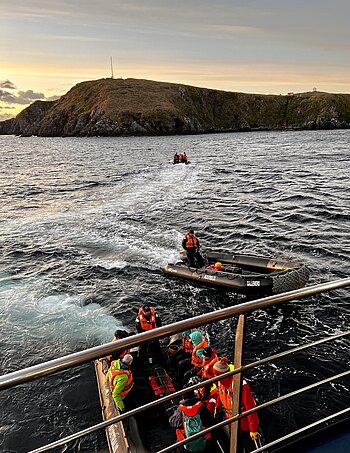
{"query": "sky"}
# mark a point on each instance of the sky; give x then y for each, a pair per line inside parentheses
(250, 46)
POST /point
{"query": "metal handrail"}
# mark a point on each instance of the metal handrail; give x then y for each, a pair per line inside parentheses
(21, 376)
(18, 377)
(172, 396)
(301, 430)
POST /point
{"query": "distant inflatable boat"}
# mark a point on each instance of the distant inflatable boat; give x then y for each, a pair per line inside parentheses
(186, 162)
(245, 274)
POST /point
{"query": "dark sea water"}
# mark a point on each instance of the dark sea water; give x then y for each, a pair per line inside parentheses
(86, 224)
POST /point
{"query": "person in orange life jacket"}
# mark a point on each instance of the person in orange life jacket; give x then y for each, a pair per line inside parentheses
(184, 157)
(191, 407)
(199, 344)
(118, 335)
(248, 424)
(217, 266)
(191, 244)
(176, 158)
(120, 379)
(186, 348)
(147, 319)
(208, 395)
(209, 358)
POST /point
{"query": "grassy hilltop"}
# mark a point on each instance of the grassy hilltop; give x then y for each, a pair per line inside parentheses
(113, 107)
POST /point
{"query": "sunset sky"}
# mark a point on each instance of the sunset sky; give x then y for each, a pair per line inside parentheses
(251, 46)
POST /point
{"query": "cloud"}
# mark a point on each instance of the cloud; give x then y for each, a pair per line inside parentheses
(7, 84)
(52, 98)
(7, 97)
(12, 101)
(22, 97)
(27, 97)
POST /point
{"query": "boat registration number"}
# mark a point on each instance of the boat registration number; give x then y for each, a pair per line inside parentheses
(253, 283)
(209, 277)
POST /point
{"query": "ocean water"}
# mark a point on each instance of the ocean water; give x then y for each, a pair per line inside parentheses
(86, 224)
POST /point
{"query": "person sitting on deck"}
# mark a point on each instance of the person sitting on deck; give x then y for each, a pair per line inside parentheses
(120, 379)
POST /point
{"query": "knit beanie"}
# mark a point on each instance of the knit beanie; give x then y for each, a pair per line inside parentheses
(196, 337)
(127, 359)
(221, 366)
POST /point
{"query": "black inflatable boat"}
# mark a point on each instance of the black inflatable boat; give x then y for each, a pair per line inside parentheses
(244, 274)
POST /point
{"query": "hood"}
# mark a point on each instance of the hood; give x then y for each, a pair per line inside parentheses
(196, 337)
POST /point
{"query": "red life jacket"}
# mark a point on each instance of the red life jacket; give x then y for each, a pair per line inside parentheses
(113, 372)
(150, 323)
(196, 361)
(190, 411)
(191, 241)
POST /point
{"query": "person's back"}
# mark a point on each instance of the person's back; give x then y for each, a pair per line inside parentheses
(249, 424)
(120, 379)
(189, 418)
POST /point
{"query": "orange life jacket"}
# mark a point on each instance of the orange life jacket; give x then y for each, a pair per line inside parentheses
(207, 367)
(190, 411)
(226, 395)
(196, 361)
(191, 241)
(210, 400)
(113, 372)
(147, 324)
(187, 345)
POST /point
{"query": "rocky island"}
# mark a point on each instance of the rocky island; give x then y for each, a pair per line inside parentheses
(120, 107)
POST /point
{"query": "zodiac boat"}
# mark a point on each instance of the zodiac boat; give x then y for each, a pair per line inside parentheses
(244, 274)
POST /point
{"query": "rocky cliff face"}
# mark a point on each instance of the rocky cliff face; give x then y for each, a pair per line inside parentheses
(113, 107)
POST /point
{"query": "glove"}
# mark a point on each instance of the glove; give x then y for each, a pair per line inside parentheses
(254, 436)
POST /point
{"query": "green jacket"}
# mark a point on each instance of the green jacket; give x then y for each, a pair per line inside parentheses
(119, 382)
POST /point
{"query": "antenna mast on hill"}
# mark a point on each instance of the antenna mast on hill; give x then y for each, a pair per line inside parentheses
(112, 76)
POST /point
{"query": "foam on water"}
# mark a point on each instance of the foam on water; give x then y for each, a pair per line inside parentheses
(44, 323)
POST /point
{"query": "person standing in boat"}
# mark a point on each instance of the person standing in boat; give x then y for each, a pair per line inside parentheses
(120, 379)
(147, 319)
(248, 425)
(191, 244)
